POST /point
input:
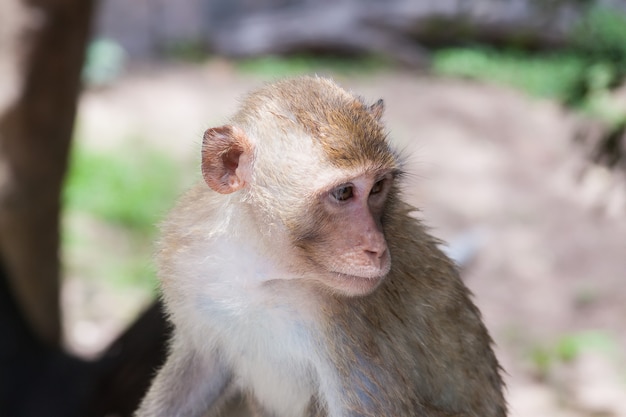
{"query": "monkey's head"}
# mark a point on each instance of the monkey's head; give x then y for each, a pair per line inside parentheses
(313, 161)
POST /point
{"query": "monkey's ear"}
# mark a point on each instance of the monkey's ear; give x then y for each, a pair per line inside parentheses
(377, 109)
(225, 151)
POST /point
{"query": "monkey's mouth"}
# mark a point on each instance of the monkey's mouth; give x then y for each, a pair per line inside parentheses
(365, 272)
(355, 285)
(362, 277)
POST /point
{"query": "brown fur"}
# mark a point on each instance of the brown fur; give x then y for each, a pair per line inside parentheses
(430, 352)
(267, 263)
(330, 115)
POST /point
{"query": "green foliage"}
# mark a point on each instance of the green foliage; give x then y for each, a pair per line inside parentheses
(277, 66)
(571, 78)
(104, 62)
(98, 251)
(550, 76)
(568, 347)
(542, 360)
(602, 34)
(112, 201)
(580, 77)
(602, 106)
(126, 188)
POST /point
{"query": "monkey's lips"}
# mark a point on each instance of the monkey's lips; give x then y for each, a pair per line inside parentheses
(356, 285)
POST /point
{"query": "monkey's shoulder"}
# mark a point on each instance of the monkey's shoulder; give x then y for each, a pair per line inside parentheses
(199, 210)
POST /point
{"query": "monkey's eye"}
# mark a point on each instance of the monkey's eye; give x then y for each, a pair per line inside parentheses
(378, 186)
(342, 193)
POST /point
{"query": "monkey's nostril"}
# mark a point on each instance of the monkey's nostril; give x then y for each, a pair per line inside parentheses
(375, 256)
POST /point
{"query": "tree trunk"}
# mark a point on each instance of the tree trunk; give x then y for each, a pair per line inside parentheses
(42, 46)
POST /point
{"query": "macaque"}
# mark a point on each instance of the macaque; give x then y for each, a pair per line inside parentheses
(296, 276)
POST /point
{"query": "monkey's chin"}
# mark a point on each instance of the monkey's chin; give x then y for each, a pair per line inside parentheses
(354, 285)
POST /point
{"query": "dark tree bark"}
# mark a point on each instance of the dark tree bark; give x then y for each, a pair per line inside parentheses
(43, 47)
(35, 379)
(42, 44)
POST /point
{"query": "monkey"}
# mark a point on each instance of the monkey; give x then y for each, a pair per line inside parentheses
(296, 276)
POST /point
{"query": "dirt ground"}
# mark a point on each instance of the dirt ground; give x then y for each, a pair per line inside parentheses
(495, 173)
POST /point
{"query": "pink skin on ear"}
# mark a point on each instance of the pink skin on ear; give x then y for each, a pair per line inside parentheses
(222, 150)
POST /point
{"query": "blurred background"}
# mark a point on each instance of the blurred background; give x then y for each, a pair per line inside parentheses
(512, 115)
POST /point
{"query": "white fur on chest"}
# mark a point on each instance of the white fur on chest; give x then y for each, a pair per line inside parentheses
(265, 335)
(271, 358)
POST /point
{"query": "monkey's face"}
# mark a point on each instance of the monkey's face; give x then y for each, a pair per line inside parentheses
(316, 171)
(343, 241)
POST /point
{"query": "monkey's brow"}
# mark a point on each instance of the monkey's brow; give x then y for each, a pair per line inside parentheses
(378, 173)
(381, 173)
(397, 173)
